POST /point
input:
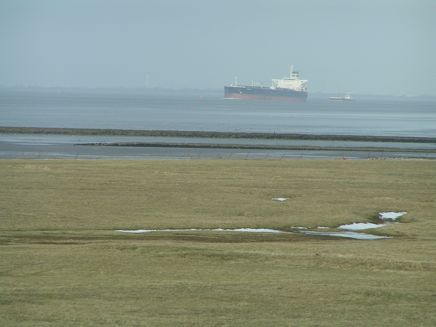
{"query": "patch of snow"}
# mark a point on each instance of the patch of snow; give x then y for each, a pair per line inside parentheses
(360, 226)
(280, 199)
(390, 215)
(298, 227)
(353, 235)
(322, 227)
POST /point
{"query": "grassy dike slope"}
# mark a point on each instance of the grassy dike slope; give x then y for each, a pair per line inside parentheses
(61, 263)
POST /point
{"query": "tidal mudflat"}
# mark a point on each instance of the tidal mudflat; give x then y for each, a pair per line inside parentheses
(63, 263)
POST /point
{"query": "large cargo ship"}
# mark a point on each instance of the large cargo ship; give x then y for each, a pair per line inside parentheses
(291, 89)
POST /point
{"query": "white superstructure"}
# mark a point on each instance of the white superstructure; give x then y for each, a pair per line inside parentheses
(293, 82)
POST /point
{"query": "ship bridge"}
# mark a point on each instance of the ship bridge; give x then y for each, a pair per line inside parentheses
(293, 82)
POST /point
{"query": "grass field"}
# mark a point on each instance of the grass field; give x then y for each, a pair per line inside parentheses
(62, 263)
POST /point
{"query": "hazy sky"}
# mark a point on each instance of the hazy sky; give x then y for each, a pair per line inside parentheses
(372, 46)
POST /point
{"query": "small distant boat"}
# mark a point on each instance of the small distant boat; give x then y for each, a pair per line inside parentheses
(346, 97)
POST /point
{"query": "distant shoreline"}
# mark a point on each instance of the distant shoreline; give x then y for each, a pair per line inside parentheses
(212, 134)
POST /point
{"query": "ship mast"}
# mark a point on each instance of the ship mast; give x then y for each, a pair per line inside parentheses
(291, 70)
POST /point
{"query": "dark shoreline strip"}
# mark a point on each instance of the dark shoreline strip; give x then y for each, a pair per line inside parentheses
(211, 134)
(253, 147)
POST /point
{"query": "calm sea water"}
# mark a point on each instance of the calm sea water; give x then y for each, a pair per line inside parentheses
(210, 112)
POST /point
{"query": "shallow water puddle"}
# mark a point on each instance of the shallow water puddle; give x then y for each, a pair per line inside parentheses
(141, 231)
(360, 226)
(383, 216)
(280, 199)
(353, 235)
(249, 230)
(243, 230)
(348, 230)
